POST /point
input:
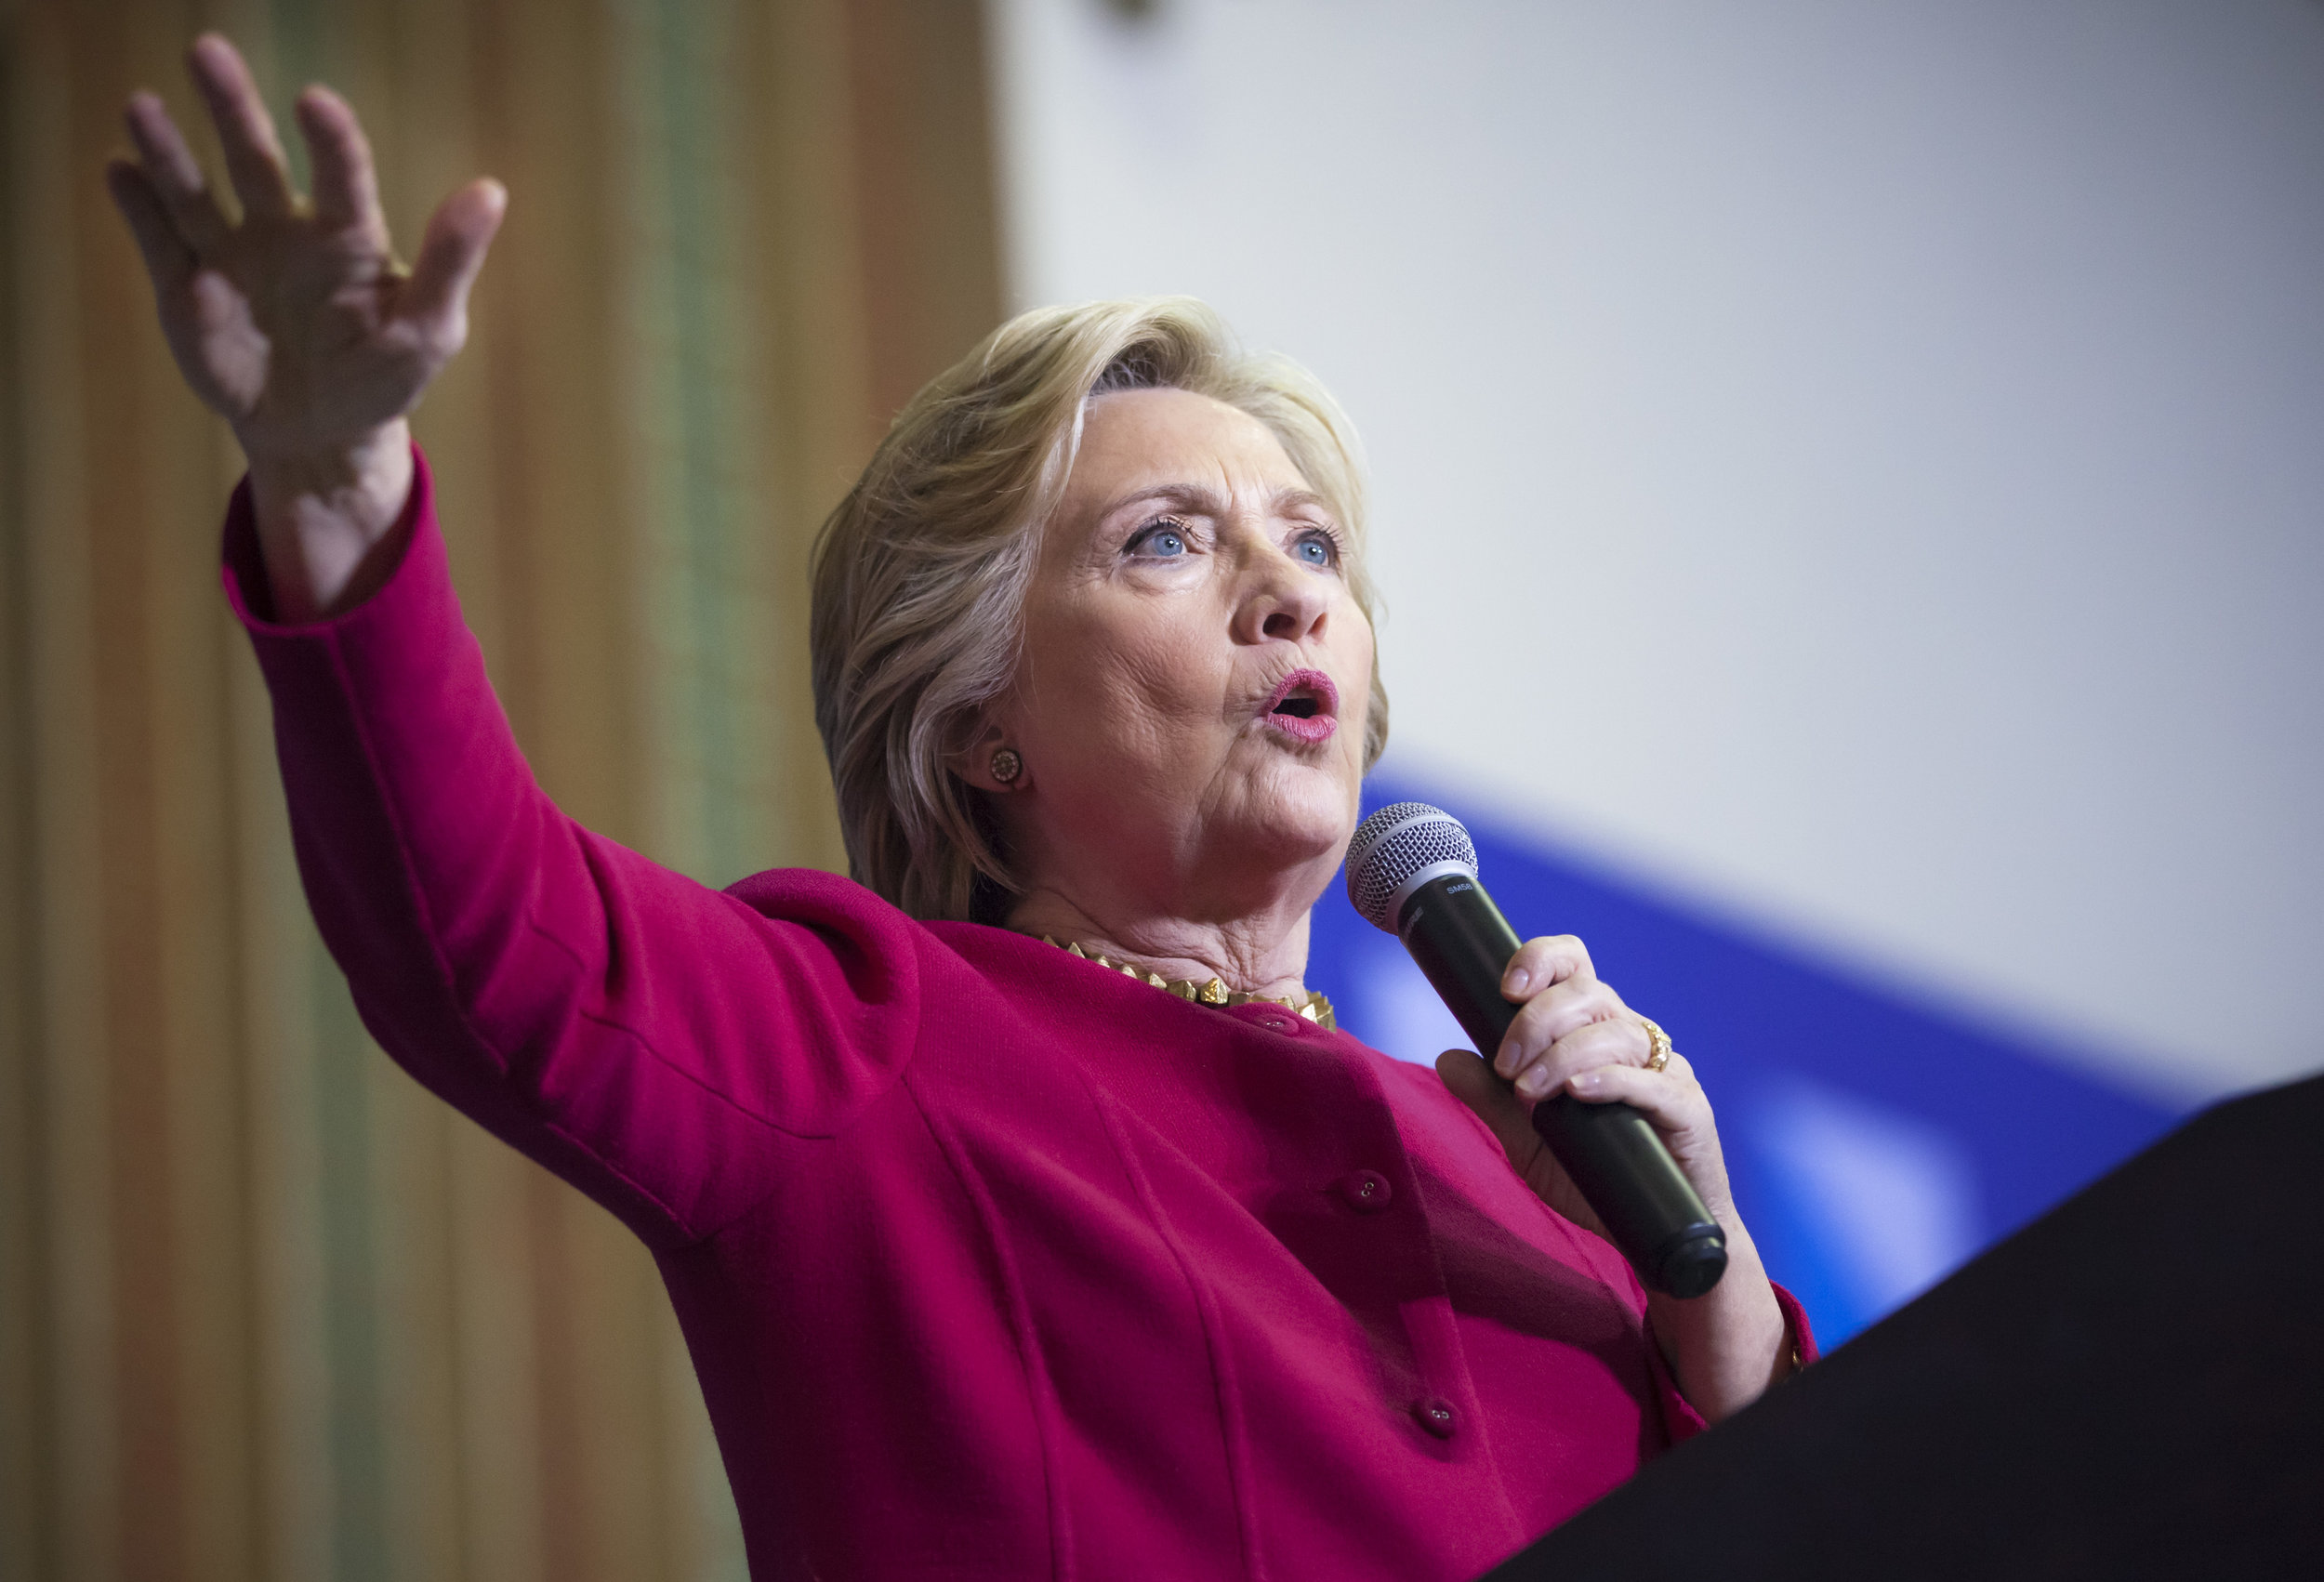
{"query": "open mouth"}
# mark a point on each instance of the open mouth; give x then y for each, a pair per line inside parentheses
(1303, 705)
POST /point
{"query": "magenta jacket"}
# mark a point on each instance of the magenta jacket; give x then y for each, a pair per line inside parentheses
(993, 1264)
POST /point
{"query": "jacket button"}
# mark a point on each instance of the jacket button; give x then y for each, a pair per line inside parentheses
(1436, 1414)
(1367, 1192)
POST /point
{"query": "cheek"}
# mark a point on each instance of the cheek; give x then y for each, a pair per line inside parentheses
(1170, 680)
(1134, 681)
(1355, 678)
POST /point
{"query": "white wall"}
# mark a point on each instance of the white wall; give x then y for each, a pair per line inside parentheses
(1859, 466)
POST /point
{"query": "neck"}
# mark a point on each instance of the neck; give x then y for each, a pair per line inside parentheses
(1265, 954)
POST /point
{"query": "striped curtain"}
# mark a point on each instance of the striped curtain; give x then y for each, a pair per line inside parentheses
(267, 1310)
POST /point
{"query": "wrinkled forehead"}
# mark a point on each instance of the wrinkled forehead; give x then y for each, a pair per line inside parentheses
(1137, 442)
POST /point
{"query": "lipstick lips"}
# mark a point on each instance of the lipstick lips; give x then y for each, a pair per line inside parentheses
(1304, 706)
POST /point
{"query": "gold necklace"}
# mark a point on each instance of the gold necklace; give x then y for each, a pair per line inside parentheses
(1315, 1007)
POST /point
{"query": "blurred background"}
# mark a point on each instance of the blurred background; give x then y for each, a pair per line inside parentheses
(1847, 490)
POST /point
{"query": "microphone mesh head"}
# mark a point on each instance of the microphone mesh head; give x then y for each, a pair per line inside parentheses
(1396, 843)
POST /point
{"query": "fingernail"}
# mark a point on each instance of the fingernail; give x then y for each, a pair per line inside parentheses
(1516, 981)
(1533, 1082)
(1587, 1081)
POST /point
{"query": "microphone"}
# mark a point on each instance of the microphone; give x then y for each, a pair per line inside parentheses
(1412, 870)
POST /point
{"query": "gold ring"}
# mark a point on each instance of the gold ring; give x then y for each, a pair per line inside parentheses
(1658, 1051)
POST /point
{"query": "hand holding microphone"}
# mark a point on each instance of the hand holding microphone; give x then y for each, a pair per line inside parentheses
(1412, 871)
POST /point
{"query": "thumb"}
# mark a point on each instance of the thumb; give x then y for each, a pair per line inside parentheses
(1472, 1081)
(435, 300)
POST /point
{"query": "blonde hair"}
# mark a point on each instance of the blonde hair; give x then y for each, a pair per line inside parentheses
(921, 573)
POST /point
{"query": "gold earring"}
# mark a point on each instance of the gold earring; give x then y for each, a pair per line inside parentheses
(1006, 765)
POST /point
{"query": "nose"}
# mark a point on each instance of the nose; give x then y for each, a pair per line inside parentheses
(1283, 601)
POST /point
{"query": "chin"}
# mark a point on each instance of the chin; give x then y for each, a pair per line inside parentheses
(1297, 810)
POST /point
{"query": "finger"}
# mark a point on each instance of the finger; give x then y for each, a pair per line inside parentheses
(173, 172)
(347, 186)
(1671, 1098)
(1552, 958)
(1676, 1107)
(435, 300)
(254, 154)
(1551, 1015)
(167, 259)
(1619, 1042)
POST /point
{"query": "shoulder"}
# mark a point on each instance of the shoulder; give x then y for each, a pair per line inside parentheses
(872, 934)
(785, 893)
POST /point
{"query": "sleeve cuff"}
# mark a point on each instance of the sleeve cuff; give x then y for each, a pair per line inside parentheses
(1803, 1348)
(251, 596)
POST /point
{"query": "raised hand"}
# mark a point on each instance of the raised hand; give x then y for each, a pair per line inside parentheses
(297, 325)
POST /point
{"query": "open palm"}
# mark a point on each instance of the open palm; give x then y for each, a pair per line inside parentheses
(297, 325)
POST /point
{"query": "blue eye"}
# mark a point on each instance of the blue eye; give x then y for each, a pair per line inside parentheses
(1315, 551)
(1162, 540)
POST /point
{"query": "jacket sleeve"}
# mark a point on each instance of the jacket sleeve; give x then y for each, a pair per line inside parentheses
(649, 1039)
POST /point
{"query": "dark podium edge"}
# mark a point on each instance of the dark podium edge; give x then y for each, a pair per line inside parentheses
(2128, 1386)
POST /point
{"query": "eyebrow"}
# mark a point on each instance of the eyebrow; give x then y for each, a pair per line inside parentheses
(1201, 497)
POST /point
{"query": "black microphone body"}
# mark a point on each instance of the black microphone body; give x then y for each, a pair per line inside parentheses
(1614, 1154)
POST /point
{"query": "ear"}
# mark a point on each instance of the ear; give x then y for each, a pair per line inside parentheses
(974, 763)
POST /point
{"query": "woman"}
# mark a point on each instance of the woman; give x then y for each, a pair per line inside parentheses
(996, 1256)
